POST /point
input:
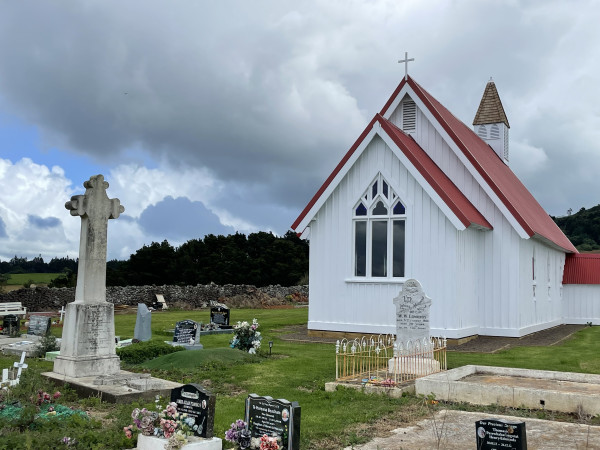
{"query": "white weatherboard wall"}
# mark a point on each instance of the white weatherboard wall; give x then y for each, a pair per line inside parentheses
(341, 302)
(581, 303)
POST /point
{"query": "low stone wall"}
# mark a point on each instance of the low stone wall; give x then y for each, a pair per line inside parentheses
(235, 296)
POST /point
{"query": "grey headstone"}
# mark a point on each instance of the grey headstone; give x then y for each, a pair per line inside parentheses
(412, 312)
(143, 324)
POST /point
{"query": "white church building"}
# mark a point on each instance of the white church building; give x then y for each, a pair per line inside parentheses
(422, 195)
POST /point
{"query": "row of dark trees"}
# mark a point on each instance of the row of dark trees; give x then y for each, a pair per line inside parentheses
(37, 265)
(258, 259)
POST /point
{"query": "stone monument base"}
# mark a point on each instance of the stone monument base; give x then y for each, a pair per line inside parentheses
(197, 346)
(194, 443)
(122, 387)
(88, 341)
(413, 365)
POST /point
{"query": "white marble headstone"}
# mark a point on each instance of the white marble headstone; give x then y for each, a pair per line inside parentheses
(412, 312)
(143, 323)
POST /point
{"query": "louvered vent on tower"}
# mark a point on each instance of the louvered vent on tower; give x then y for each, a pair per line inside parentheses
(482, 131)
(495, 132)
(409, 115)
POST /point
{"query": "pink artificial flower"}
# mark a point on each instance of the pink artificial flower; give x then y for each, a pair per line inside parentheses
(56, 395)
(128, 432)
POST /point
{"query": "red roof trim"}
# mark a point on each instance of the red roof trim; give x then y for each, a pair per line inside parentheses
(448, 192)
(393, 97)
(505, 184)
(337, 169)
(582, 269)
(438, 180)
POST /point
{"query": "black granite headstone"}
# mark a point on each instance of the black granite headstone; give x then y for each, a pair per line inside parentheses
(265, 415)
(11, 325)
(39, 325)
(219, 316)
(186, 332)
(500, 434)
(198, 403)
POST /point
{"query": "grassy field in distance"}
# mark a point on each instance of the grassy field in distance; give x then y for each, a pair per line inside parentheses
(19, 279)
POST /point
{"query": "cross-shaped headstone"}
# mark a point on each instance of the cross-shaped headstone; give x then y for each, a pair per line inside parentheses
(62, 312)
(21, 365)
(95, 209)
(406, 61)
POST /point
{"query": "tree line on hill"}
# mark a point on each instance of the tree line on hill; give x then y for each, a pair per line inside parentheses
(259, 259)
(582, 228)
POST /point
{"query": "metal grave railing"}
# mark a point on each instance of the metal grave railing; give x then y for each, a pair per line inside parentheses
(378, 360)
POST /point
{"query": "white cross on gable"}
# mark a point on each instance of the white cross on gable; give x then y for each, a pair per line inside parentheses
(406, 61)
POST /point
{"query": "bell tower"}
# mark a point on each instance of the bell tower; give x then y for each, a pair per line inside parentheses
(490, 122)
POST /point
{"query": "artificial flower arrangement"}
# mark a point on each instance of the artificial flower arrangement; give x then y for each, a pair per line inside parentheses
(239, 435)
(246, 337)
(164, 423)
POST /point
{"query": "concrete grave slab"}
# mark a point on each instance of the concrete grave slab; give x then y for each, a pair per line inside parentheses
(536, 389)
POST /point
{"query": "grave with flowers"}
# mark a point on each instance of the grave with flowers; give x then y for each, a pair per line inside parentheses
(270, 424)
(185, 422)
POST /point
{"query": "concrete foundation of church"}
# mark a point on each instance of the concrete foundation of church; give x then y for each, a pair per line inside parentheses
(347, 335)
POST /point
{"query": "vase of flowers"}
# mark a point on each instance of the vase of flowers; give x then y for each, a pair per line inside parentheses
(239, 435)
(246, 337)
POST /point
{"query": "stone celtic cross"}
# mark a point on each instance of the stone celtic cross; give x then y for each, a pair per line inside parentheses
(95, 209)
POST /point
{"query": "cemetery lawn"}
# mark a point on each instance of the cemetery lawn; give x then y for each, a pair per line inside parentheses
(294, 371)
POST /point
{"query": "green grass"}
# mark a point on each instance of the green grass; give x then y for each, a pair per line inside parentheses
(577, 354)
(19, 279)
(298, 372)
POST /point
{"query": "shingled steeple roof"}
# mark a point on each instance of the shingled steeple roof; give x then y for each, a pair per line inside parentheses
(490, 109)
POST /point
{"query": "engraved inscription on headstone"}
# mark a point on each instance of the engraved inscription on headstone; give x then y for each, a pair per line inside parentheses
(412, 312)
(39, 325)
(220, 316)
(199, 403)
(186, 332)
(265, 415)
(499, 434)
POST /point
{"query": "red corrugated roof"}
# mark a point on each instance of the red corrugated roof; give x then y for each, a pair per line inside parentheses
(443, 186)
(450, 194)
(582, 269)
(513, 194)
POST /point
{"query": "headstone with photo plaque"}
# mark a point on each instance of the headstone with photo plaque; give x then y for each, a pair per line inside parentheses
(199, 403)
(39, 325)
(265, 415)
(187, 333)
(498, 434)
(219, 315)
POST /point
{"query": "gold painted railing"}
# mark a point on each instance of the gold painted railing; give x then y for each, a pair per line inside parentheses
(379, 360)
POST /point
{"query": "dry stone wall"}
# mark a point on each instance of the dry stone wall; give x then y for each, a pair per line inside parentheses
(235, 296)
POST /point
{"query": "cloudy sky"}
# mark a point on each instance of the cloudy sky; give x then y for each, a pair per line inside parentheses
(212, 117)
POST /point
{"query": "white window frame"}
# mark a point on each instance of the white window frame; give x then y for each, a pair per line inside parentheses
(370, 202)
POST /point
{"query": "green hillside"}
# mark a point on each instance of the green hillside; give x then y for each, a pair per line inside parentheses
(582, 228)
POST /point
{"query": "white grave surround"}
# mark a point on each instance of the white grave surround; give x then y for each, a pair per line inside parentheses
(194, 443)
(413, 350)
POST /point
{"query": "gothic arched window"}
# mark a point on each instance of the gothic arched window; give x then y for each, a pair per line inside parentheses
(379, 232)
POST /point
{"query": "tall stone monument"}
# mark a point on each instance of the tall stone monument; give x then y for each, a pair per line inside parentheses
(88, 340)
